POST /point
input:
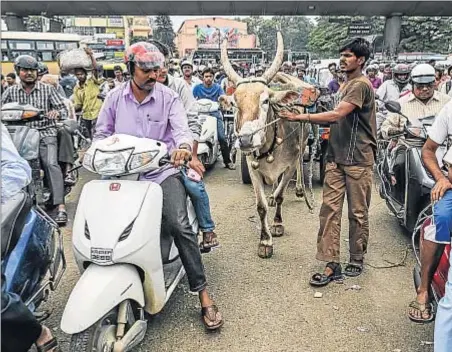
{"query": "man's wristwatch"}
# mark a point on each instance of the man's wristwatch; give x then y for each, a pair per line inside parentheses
(185, 146)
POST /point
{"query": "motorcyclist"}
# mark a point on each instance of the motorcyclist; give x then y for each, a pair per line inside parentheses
(187, 72)
(196, 189)
(145, 108)
(446, 86)
(19, 328)
(44, 97)
(212, 91)
(392, 90)
(422, 102)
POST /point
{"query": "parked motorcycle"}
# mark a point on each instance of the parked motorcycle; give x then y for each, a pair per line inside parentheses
(411, 193)
(128, 268)
(208, 147)
(32, 248)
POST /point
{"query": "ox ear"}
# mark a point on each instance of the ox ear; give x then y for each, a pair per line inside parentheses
(226, 102)
(284, 97)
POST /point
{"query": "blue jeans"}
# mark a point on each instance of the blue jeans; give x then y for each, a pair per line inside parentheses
(200, 199)
(443, 322)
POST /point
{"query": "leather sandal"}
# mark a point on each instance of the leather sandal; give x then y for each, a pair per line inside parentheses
(49, 346)
(209, 240)
(211, 317)
(320, 279)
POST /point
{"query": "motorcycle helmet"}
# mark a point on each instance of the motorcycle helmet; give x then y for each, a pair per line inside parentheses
(423, 73)
(42, 69)
(401, 73)
(144, 55)
(26, 62)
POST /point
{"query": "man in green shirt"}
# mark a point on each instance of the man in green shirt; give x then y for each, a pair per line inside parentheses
(85, 96)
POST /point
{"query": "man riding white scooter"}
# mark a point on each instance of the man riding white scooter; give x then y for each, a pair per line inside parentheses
(145, 108)
(193, 181)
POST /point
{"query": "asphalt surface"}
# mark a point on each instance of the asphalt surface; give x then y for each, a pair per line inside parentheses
(268, 305)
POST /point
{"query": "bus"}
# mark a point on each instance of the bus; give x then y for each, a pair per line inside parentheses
(44, 46)
(213, 56)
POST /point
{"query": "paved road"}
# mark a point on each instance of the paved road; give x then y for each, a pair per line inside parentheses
(268, 304)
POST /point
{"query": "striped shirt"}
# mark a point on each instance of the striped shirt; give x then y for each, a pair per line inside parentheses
(42, 96)
(414, 109)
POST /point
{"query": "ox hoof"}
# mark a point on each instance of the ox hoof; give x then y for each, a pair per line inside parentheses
(277, 230)
(299, 192)
(265, 251)
(271, 201)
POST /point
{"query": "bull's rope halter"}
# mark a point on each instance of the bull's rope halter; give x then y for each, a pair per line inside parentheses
(276, 141)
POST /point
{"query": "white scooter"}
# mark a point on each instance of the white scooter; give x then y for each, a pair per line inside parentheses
(128, 269)
(208, 147)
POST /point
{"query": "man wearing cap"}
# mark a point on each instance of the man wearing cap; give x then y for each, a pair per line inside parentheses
(145, 108)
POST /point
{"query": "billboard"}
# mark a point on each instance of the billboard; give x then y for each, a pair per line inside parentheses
(208, 38)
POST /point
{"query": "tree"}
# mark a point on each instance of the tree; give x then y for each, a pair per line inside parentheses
(164, 31)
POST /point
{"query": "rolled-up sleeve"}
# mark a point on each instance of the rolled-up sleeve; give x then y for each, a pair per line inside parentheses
(105, 125)
(179, 123)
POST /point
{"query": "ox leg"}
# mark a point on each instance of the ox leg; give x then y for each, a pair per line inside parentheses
(271, 198)
(265, 249)
(277, 228)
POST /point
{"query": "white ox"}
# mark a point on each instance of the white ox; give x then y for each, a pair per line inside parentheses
(273, 147)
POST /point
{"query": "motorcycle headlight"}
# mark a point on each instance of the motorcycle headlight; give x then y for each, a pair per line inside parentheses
(111, 163)
(418, 132)
(142, 159)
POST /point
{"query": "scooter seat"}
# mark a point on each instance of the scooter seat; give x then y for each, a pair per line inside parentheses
(14, 215)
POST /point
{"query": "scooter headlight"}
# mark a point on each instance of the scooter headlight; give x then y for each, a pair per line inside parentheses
(111, 163)
(140, 160)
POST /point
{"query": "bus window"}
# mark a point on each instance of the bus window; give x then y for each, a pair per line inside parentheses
(4, 45)
(16, 54)
(66, 45)
(46, 55)
(21, 44)
(45, 46)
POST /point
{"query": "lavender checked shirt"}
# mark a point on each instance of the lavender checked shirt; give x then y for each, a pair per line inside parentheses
(161, 116)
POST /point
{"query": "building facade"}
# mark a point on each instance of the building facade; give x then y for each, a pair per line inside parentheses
(204, 34)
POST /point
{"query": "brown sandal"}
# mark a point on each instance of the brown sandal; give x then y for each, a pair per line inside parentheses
(209, 240)
(211, 317)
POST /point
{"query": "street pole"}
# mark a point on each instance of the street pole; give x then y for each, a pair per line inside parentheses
(125, 19)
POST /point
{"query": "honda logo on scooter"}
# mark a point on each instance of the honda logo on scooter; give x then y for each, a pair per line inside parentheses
(114, 187)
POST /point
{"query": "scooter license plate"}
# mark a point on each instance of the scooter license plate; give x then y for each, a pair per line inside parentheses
(101, 256)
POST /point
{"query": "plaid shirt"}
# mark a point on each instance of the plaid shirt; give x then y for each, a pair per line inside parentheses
(42, 96)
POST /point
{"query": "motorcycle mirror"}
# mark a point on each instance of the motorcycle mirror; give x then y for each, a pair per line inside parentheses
(393, 106)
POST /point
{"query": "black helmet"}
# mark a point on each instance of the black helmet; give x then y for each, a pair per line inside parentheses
(42, 69)
(401, 73)
(25, 61)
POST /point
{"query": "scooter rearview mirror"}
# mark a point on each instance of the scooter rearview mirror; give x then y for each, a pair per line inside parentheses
(393, 106)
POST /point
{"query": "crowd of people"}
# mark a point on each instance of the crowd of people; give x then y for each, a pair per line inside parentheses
(151, 95)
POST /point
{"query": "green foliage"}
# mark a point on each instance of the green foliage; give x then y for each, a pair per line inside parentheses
(164, 32)
(137, 39)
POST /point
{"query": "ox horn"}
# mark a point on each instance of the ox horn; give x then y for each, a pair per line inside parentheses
(277, 62)
(228, 69)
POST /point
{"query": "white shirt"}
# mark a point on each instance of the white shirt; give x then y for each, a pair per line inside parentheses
(441, 130)
(389, 90)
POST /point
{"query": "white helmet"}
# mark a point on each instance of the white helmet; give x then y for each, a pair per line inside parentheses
(423, 73)
(186, 63)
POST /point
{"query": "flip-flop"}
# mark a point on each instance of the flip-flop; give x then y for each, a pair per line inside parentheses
(211, 314)
(320, 279)
(422, 308)
(353, 270)
(49, 346)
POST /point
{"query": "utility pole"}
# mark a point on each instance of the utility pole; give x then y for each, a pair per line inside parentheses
(125, 19)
